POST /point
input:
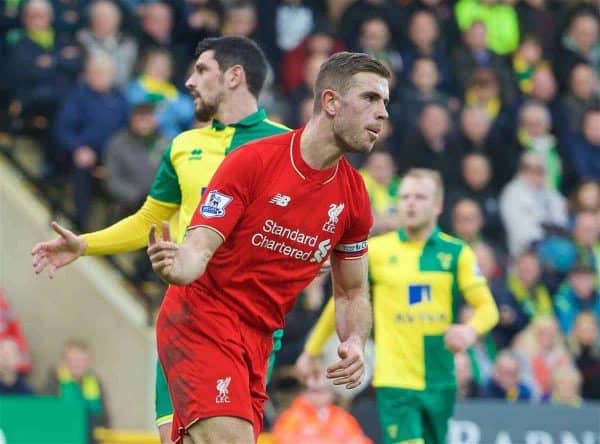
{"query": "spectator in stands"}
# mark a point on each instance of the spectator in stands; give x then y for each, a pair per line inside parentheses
(488, 263)
(545, 91)
(416, 94)
(483, 132)
(578, 294)
(539, 18)
(91, 114)
(579, 44)
(585, 148)
(10, 328)
(132, 156)
(313, 417)
(500, 19)
(583, 89)
(543, 347)
(586, 197)
(157, 24)
(476, 184)
(305, 91)
(360, 10)
(467, 221)
(584, 345)
(586, 237)
(424, 41)
(566, 387)
(382, 185)
(201, 20)
(320, 42)
(527, 204)
(505, 383)
(473, 53)
(43, 66)
(525, 285)
(533, 134)
(375, 39)
(104, 37)
(12, 382)
(174, 109)
(294, 20)
(69, 16)
(431, 145)
(466, 387)
(525, 61)
(241, 20)
(75, 379)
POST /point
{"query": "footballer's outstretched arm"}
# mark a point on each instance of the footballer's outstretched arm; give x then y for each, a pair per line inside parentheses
(182, 264)
(353, 318)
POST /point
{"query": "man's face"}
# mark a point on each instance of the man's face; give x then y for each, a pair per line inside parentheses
(467, 220)
(418, 206)
(475, 124)
(583, 283)
(506, 373)
(587, 229)
(158, 21)
(591, 127)
(143, 122)
(476, 172)
(528, 269)
(380, 167)
(374, 35)
(77, 361)
(361, 112)
(207, 86)
(37, 17)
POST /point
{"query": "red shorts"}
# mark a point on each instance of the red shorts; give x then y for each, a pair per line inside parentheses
(215, 364)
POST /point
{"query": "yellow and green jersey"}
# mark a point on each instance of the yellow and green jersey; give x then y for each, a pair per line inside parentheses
(384, 198)
(186, 168)
(193, 157)
(417, 288)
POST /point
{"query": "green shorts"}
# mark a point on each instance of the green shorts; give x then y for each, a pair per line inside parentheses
(163, 405)
(415, 416)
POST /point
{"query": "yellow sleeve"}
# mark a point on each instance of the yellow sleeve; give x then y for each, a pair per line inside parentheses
(131, 233)
(322, 330)
(476, 292)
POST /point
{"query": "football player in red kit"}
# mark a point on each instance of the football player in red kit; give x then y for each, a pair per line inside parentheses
(273, 213)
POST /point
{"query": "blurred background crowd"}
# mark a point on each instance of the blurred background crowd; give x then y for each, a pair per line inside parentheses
(500, 96)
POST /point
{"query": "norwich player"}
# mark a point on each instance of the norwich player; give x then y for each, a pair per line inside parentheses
(419, 277)
(228, 75)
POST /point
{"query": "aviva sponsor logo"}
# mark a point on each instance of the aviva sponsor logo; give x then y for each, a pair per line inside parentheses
(418, 293)
(195, 154)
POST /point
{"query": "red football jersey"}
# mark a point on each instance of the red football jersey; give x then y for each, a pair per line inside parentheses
(280, 219)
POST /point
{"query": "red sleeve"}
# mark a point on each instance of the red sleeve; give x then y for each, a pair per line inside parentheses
(353, 243)
(228, 193)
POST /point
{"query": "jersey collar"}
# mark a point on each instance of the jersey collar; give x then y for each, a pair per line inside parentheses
(304, 170)
(430, 240)
(246, 122)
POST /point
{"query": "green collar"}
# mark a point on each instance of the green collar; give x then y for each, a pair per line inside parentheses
(431, 239)
(246, 122)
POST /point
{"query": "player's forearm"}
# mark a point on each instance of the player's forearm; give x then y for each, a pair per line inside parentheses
(188, 265)
(485, 314)
(353, 316)
(322, 330)
(130, 233)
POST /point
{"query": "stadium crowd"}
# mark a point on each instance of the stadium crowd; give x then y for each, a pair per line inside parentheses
(500, 96)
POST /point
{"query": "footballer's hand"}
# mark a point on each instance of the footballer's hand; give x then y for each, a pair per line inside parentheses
(349, 370)
(58, 252)
(162, 252)
(307, 367)
(459, 337)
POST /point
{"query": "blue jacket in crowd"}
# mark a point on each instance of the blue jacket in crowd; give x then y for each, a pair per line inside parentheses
(567, 305)
(586, 158)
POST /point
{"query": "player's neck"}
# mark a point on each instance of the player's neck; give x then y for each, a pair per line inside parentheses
(419, 234)
(236, 108)
(318, 146)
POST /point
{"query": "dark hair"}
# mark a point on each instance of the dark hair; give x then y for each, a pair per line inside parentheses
(231, 51)
(336, 73)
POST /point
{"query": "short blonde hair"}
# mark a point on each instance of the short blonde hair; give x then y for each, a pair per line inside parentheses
(427, 173)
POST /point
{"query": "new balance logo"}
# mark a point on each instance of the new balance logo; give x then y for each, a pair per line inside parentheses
(281, 200)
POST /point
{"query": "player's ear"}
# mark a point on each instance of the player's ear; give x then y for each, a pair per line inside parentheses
(329, 102)
(235, 76)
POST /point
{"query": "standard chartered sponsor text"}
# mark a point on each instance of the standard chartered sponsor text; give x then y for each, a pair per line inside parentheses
(270, 238)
